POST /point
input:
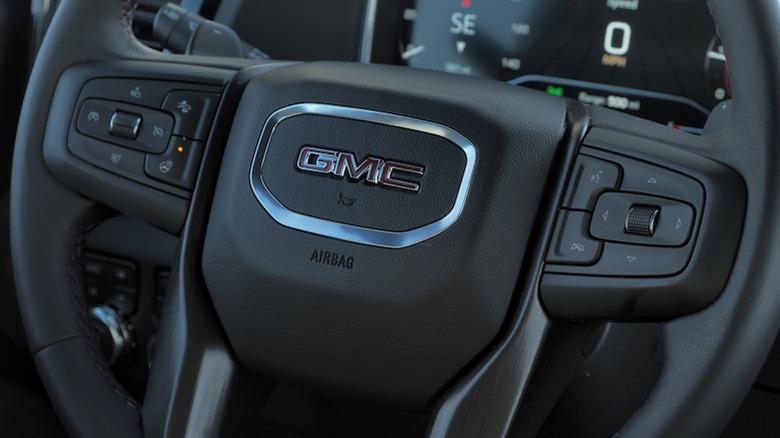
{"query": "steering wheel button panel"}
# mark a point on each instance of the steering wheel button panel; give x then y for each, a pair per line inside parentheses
(193, 110)
(571, 243)
(97, 119)
(590, 178)
(120, 126)
(681, 266)
(672, 225)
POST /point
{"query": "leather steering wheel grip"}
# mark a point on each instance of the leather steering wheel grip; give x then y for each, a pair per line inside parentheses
(48, 222)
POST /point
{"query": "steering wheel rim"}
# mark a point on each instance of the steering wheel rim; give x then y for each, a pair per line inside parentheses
(712, 356)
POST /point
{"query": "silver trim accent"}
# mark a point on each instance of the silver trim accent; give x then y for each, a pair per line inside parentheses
(369, 24)
(121, 336)
(352, 233)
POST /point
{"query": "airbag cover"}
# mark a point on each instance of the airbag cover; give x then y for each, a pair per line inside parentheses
(391, 323)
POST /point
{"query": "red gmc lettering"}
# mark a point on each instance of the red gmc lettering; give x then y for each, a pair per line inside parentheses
(372, 169)
(317, 160)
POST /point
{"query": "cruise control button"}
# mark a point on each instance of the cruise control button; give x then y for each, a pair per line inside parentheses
(178, 165)
(134, 91)
(194, 112)
(571, 243)
(155, 132)
(590, 178)
(94, 118)
(125, 125)
(97, 119)
(109, 157)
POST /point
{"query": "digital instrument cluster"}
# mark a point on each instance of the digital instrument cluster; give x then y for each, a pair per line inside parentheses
(655, 59)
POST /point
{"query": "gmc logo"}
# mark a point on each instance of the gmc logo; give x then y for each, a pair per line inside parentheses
(373, 170)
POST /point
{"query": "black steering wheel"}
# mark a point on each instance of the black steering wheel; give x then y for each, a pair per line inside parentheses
(393, 235)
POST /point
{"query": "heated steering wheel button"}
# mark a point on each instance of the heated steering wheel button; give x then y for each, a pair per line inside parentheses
(178, 165)
(571, 244)
(590, 178)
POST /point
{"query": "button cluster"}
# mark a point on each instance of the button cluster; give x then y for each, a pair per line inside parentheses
(144, 129)
(641, 219)
(125, 125)
(110, 280)
(661, 251)
(624, 218)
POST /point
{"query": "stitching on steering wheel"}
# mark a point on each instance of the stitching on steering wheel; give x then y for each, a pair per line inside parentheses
(128, 10)
(83, 316)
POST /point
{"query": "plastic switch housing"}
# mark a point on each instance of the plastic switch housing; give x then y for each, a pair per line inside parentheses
(678, 268)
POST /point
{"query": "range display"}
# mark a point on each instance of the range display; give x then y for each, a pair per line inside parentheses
(656, 59)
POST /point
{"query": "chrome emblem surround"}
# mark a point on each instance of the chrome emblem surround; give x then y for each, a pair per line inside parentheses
(353, 233)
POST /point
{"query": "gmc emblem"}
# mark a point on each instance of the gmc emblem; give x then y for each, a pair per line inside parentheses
(373, 170)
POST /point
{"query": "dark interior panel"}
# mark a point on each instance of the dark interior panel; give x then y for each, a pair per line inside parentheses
(299, 30)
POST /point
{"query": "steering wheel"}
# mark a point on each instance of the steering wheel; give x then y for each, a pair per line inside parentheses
(386, 234)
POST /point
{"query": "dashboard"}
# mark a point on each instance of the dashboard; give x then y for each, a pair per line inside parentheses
(659, 60)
